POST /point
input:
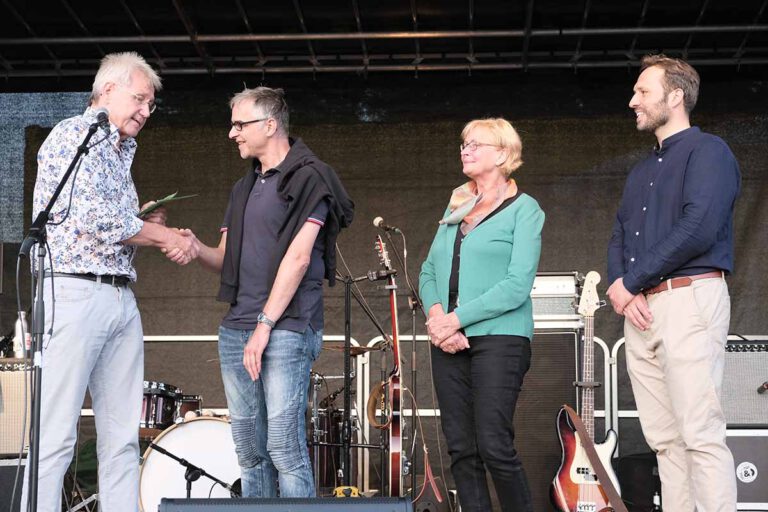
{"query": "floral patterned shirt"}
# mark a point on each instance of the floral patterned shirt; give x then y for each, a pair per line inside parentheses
(85, 234)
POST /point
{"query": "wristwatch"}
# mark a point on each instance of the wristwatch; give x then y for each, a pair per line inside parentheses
(263, 319)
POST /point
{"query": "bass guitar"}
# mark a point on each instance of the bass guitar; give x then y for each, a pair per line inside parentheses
(576, 487)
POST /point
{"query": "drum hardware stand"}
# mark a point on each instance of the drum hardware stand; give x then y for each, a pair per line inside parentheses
(346, 426)
(193, 472)
(317, 380)
(37, 236)
(84, 504)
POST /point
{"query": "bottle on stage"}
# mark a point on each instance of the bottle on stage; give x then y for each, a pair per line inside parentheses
(19, 334)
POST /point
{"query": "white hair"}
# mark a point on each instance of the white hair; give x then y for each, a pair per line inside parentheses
(118, 68)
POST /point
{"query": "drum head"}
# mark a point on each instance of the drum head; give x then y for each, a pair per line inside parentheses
(205, 442)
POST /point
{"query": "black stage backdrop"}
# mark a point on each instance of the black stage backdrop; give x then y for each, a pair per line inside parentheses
(395, 145)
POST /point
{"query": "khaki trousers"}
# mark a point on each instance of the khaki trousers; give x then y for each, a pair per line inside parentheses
(676, 370)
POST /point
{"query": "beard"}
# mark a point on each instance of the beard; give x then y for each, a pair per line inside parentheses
(655, 116)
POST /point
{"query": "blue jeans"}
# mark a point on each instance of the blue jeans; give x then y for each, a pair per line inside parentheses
(268, 415)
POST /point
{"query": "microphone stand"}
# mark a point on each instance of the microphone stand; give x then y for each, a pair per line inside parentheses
(37, 235)
(413, 304)
(193, 472)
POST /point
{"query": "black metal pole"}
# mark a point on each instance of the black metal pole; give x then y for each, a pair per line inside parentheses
(414, 303)
(346, 427)
(36, 347)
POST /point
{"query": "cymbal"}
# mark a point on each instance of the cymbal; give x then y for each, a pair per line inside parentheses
(353, 350)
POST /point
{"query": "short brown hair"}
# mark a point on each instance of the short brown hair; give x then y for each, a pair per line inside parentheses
(678, 74)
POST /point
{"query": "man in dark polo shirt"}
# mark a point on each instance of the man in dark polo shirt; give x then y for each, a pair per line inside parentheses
(671, 247)
(277, 245)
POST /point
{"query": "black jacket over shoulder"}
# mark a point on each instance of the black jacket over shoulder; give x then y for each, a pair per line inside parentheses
(304, 183)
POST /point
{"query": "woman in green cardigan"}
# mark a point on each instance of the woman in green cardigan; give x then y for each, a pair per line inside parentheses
(476, 284)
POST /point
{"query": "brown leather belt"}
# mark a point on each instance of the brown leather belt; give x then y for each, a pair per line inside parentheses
(681, 282)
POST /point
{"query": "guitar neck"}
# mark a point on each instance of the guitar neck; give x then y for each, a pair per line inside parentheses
(588, 376)
(395, 330)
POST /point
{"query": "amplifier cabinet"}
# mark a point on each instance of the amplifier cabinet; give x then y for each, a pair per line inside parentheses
(746, 369)
(12, 405)
(554, 296)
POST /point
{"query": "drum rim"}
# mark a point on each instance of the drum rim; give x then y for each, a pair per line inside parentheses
(160, 436)
(156, 385)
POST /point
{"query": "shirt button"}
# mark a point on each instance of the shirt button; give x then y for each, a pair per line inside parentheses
(264, 181)
(631, 259)
(644, 208)
(651, 183)
(637, 233)
(659, 159)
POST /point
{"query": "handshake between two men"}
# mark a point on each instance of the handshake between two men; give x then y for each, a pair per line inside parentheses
(179, 245)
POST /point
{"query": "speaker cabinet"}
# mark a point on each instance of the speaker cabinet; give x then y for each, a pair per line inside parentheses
(546, 387)
(750, 457)
(8, 468)
(289, 505)
(639, 478)
(12, 407)
(746, 369)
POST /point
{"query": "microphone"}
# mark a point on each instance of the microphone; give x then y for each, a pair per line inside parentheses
(763, 387)
(379, 223)
(102, 119)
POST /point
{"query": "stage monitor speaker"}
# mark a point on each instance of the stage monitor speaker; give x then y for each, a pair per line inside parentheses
(746, 370)
(288, 505)
(12, 377)
(750, 457)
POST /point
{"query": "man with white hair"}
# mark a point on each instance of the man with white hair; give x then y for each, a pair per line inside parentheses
(96, 341)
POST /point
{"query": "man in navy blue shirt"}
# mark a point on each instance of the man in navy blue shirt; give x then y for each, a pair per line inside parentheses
(671, 247)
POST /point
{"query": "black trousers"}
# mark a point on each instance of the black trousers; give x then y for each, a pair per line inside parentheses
(477, 390)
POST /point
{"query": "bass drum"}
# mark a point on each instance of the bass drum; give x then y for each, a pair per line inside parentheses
(205, 442)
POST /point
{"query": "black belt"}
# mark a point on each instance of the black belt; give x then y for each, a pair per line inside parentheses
(111, 280)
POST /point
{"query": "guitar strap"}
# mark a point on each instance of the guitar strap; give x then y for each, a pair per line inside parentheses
(605, 481)
(429, 477)
(374, 399)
